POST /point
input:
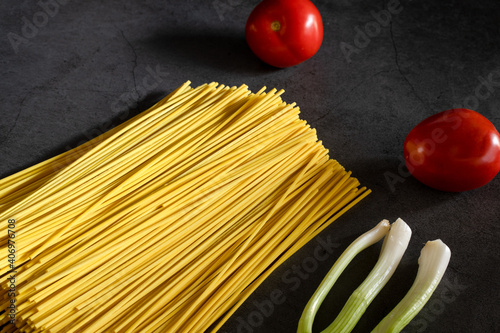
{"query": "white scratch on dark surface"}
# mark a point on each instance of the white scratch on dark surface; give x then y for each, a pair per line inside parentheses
(17, 118)
(398, 66)
(348, 94)
(135, 58)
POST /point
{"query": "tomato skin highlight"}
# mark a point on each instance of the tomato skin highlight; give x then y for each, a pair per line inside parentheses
(284, 33)
(455, 150)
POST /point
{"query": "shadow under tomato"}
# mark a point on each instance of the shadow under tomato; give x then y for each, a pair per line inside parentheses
(221, 50)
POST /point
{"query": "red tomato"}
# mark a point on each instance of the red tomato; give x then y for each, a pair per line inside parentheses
(284, 33)
(455, 150)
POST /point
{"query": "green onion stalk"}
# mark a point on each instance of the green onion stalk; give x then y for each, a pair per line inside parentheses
(432, 264)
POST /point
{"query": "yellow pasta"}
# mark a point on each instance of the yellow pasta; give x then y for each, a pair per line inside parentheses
(168, 222)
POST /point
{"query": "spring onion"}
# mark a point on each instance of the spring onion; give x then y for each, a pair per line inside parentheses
(433, 261)
(362, 242)
(393, 248)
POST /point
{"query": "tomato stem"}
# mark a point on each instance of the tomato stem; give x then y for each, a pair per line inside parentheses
(276, 26)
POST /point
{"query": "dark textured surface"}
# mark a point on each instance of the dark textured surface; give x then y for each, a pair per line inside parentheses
(70, 80)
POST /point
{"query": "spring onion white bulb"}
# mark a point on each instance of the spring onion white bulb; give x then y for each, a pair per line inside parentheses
(433, 261)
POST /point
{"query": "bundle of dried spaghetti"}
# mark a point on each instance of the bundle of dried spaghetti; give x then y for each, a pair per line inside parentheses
(168, 222)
